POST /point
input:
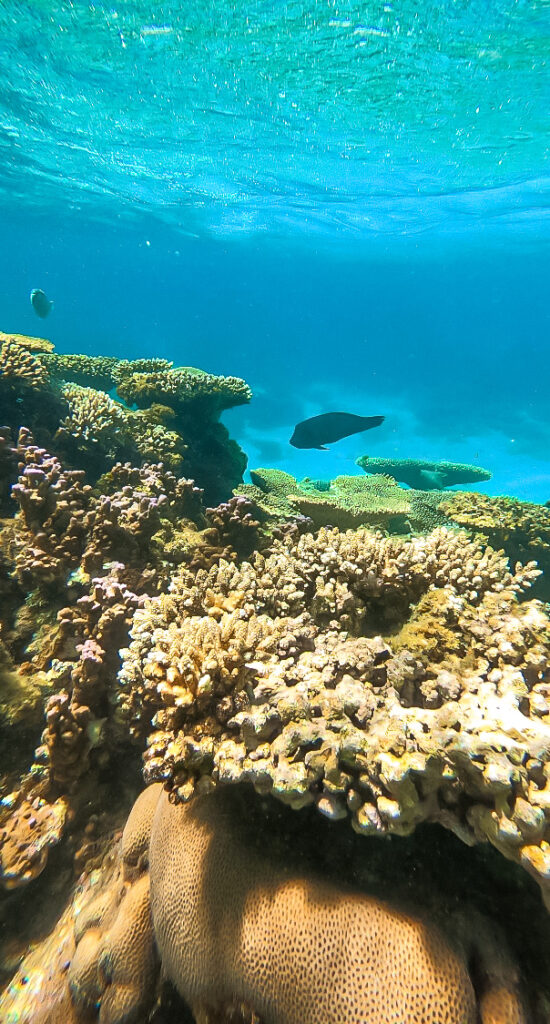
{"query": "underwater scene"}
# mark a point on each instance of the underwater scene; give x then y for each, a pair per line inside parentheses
(275, 512)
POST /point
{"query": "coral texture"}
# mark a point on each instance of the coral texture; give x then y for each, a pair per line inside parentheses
(522, 528)
(232, 925)
(424, 475)
(246, 936)
(41, 345)
(392, 682)
(87, 371)
(20, 368)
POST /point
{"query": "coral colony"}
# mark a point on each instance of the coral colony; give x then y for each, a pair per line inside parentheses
(202, 682)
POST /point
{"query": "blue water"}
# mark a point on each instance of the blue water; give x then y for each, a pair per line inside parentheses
(345, 204)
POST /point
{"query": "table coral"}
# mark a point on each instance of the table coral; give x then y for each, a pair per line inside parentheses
(352, 501)
(184, 390)
(41, 345)
(389, 681)
(86, 371)
(346, 502)
(423, 475)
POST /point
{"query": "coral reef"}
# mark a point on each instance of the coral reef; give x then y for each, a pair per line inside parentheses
(247, 652)
(41, 345)
(86, 371)
(19, 368)
(423, 475)
(390, 681)
(225, 911)
(521, 528)
(346, 502)
(90, 418)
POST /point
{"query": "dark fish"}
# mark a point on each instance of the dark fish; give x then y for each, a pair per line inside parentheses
(40, 303)
(318, 431)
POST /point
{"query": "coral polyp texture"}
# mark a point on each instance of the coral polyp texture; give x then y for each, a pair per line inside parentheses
(388, 681)
(246, 935)
(424, 475)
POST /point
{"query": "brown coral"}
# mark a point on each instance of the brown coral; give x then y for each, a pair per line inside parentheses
(54, 504)
(276, 673)
(231, 926)
(20, 368)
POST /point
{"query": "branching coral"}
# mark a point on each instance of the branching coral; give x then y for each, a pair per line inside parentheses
(394, 682)
(232, 528)
(54, 505)
(95, 422)
(424, 475)
(20, 368)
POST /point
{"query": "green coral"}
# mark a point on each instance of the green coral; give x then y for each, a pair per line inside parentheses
(353, 501)
(422, 474)
(346, 501)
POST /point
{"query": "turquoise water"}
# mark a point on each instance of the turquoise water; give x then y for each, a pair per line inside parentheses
(345, 203)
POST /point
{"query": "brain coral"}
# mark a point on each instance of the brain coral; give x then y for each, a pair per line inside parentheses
(389, 681)
(247, 937)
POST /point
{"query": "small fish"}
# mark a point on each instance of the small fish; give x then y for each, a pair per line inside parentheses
(41, 303)
(318, 431)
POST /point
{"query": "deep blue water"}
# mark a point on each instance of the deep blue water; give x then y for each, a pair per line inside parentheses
(449, 341)
(346, 204)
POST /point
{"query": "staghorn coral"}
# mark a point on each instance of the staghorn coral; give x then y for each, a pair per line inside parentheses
(392, 682)
(423, 475)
